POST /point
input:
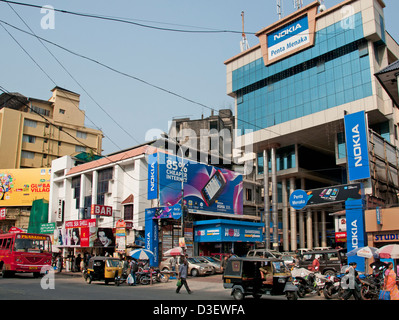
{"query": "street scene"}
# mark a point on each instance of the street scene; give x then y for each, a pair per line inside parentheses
(225, 154)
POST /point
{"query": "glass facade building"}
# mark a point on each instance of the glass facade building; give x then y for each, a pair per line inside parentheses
(291, 93)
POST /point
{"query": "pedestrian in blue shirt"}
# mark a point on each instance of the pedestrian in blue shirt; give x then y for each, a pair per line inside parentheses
(183, 271)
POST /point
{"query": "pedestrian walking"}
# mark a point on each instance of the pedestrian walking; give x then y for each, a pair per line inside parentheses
(183, 271)
(354, 283)
(60, 263)
(133, 269)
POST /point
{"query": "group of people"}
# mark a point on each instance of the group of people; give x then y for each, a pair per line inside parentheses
(77, 263)
(354, 279)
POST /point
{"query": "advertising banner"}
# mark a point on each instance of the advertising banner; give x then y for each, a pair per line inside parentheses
(206, 188)
(288, 38)
(100, 210)
(20, 187)
(334, 194)
(356, 235)
(151, 236)
(356, 146)
(153, 176)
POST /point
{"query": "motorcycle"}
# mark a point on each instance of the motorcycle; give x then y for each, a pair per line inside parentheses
(332, 287)
(373, 283)
(306, 285)
(146, 276)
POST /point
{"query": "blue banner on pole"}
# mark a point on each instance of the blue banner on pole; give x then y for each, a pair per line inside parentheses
(151, 236)
(356, 235)
(356, 146)
(152, 176)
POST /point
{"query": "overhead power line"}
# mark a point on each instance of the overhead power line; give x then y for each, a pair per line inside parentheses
(126, 21)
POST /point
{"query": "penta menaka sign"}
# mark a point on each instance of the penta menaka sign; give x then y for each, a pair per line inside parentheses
(289, 35)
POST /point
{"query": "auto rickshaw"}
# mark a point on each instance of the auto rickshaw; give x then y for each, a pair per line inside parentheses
(106, 269)
(258, 276)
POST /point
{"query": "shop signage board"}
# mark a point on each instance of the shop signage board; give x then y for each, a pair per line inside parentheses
(47, 227)
(288, 38)
(3, 213)
(357, 146)
(298, 199)
(221, 230)
(101, 210)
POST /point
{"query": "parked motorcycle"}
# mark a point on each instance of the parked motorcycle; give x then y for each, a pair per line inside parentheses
(305, 281)
(373, 283)
(156, 275)
(332, 287)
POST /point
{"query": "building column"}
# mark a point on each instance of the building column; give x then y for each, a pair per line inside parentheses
(286, 246)
(309, 234)
(82, 196)
(293, 219)
(94, 191)
(266, 198)
(301, 222)
(316, 229)
(323, 229)
(274, 197)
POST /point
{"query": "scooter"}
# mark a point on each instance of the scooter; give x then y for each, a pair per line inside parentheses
(306, 284)
(373, 283)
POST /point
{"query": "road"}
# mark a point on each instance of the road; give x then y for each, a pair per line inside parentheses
(63, 287)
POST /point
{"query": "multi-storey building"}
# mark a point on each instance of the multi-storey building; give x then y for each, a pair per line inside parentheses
(292, 91)
(34, 132)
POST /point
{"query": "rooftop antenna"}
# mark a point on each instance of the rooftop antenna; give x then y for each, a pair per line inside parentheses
(244, 45)
(280, 8)
(298, 4)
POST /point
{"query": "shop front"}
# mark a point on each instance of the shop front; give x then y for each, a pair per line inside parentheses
(382, 228)
(226, 236)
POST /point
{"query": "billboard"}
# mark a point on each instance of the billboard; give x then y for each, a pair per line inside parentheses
(206, 188)
(357, 146)
(20, 187)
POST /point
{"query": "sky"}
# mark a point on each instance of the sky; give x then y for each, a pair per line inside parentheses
(166, 74)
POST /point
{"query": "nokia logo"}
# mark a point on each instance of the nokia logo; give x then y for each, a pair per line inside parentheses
(355, 240)
(357, 150)
(152, 177)
(287, 31)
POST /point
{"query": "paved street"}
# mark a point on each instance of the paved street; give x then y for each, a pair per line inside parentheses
(66, 287)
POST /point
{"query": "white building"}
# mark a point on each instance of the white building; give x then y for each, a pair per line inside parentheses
(118, 181)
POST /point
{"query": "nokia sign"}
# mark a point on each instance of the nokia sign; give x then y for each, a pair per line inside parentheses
(357, 146)
(152, 176)
(288, 38)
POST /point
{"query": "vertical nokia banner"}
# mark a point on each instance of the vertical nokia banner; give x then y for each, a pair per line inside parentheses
(152, 176)
(356, 146)
(355, 229)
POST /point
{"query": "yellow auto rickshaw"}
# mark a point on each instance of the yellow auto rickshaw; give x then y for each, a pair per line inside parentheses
(106, 269)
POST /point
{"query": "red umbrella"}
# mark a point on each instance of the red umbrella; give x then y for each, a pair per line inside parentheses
(176, 251)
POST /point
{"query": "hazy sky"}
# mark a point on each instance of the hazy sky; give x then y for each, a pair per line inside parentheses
(185, 65)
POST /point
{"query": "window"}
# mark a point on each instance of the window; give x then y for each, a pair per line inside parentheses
(41, 111)
(80, 134)
(62, 111)
(27, 155)
(80, 149)
(102, 185)
(76, 187)
(30, 123)
(248, 194)
(128, 212)
(29, 139)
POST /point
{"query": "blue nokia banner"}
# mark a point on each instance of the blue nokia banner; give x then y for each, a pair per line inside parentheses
(356, 146)
(151, 236)
(355, 230)
(152, 176)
